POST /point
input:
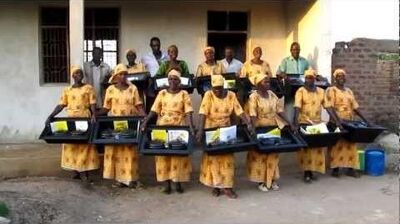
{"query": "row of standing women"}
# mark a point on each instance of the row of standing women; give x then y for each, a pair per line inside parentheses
(173, 106)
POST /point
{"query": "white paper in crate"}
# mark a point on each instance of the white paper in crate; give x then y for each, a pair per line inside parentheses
(81, 125)
(162, 82)
(227, 134)
(316, 129)
(184, 81)
(181, 135)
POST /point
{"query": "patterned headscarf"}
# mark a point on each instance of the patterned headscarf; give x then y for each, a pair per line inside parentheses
(209, 48)
(74, 69)
(174, 72)
(259, 77)
(310, 72)
(120, 68)
(339, 71)
(217, 80)
(130, 51)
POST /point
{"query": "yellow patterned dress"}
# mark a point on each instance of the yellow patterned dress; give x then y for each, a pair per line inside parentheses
(344, 153)
(218, 170)
(171, 109)
(262, 167)
(310, 105)
(121, 162)
(250, 70)
(205, 69)
(79, 157)
(139, 67)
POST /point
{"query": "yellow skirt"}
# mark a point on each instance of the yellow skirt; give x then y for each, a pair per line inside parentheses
(174, 168)
(344, 154)
(121, 162)
(312, 159)
(79, 157)
(217, 170)
(262, 167)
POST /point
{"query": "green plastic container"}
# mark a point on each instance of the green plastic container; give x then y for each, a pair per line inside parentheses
(361, 160)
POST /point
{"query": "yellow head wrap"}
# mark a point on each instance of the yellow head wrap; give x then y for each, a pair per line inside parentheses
(339, 71)
(209, 48)
(130, 51)
(310, 72)
(174, 72)
(217, 80)
(120, 68)
(75, 68)
(259, 77)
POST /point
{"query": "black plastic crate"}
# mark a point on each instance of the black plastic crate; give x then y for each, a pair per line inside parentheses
(296, 142)
(324, 139)
(189, 88)
(145, 139)
(140, 79)
(293, 83)
(113, 137)
(360, 132)
(245, 142)
(68, 137)
(203, 83)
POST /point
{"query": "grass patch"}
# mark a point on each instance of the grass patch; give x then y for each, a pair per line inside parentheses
(4, 211)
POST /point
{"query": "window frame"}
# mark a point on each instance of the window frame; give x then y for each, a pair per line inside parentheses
(42, 81)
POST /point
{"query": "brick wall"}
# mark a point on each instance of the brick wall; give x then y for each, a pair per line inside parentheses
(373, 75)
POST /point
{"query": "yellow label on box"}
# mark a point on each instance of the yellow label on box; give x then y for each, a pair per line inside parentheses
(159, 135)
(275, 132)
(60, 126)
(121, 125)
(216, 135)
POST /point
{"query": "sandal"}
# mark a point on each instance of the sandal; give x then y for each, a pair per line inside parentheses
(335, 173)
(166, 190)
(179, 188)
(216, 192)
(353, 173)
(119, 185)
(230, 193)
(262, 187)
(275, 186)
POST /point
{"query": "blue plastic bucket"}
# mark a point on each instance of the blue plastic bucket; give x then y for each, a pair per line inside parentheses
(375, 162)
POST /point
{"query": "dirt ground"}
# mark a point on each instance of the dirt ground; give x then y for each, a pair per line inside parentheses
(372, 200)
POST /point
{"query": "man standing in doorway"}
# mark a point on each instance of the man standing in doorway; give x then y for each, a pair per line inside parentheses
(153, 59)
(152, 63)
(231, 64)
(292, 65)
(96, 74)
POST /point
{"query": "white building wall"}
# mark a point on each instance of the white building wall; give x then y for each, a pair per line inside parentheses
(24, 103)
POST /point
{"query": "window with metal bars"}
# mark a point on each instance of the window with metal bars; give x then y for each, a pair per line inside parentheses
(102, 30)
(227, 28)
(54, 34)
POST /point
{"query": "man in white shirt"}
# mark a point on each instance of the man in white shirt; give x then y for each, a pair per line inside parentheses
(153, 59)
(96, 73)
(231, 64)
(152, 62)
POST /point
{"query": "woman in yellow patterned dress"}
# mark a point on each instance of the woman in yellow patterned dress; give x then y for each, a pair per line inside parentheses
(80, 101)
(265, 109)
(132, 66)
(255, 66)
(210, 66)
(342, 100)
(172, 106)
(121, 162)
(308, 104)
(217, 106)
